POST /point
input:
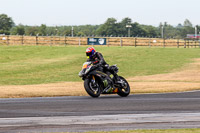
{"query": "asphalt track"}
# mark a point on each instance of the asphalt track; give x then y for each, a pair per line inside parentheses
(111, 112)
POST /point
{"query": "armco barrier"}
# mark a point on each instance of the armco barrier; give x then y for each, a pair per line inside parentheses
(110, 41)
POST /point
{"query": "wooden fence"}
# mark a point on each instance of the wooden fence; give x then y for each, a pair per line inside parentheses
(111, 41)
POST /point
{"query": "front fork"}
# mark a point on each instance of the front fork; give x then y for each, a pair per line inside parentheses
(93, 81)
(119, 82)
(115, 77)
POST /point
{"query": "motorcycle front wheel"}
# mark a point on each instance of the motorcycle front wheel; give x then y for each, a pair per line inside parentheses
(92, 88)
(124, 90)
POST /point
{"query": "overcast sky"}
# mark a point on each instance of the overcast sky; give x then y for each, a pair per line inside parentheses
(81, 12)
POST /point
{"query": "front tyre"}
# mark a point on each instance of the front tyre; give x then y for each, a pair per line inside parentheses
(124, 90)
(93, 89)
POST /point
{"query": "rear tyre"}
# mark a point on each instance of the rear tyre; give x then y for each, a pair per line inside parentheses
(92, 89)
(124, 90)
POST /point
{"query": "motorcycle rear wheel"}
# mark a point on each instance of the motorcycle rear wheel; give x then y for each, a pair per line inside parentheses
(90, 89)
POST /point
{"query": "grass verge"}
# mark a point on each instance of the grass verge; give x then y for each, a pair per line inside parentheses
(26, 65)
(43, 71)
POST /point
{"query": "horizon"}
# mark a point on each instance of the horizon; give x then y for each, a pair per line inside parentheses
(88, 12)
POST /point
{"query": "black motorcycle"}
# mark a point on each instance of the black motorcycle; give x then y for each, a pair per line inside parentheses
(97, 82)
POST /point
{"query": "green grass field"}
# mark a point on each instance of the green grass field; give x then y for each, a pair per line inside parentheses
(43, 64)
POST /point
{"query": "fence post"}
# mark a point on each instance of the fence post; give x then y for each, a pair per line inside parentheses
(199, 43)
(121, 42)
(107, 42)
(195, 43)
(51, 40)
(8, 39)
(149, 42)
(163, 42)
(65, 41)
(59, 40)
(135, 42)
(178, 43)
(22, 39)
(79, 42)
(185, 44)
(36, 39)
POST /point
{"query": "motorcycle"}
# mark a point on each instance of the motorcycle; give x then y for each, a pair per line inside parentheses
(97, 82)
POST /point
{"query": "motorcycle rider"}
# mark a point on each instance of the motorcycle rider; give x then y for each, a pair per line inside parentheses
(97, 59)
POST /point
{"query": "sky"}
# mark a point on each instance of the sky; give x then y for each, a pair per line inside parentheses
(95, 12)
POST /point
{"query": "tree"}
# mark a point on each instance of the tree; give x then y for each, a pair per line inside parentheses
(31, 31)
(169, 31)
(51, 31)
(179, 25)
(18, 30)
(122, 30)
(187, 29)
(88, 29)
(198, 29)
(80, 33)
(187, 23)
(137, 30)
(67, 32)
(108, 28)
(6, 23)
(150, 30)
(42, 29)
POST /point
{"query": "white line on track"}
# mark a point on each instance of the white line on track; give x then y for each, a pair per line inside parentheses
(101, 119)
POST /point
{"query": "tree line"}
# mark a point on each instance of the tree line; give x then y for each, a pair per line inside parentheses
(110, 28)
